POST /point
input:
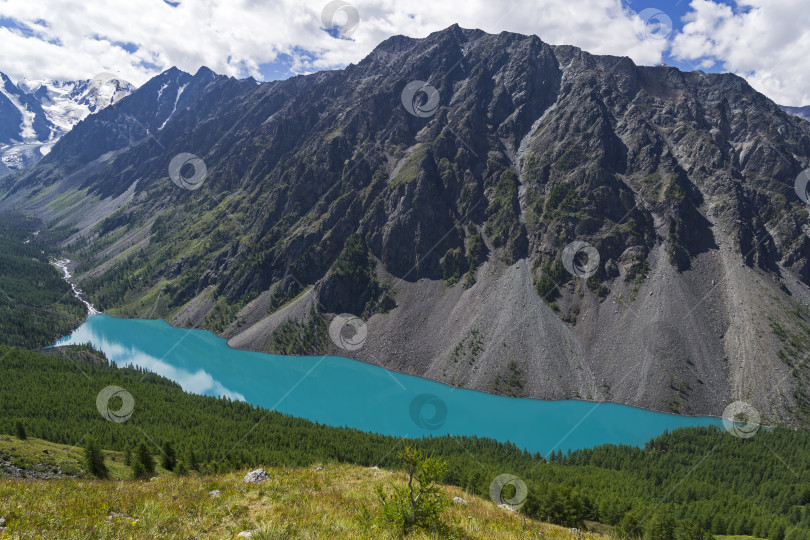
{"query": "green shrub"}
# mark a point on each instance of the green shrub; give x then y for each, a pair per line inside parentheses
(420, 503)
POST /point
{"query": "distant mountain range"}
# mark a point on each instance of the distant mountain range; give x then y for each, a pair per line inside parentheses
(503, 214)
(803, 112)
(35, 114)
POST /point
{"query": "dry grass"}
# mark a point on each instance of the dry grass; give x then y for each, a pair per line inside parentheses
(336, 502)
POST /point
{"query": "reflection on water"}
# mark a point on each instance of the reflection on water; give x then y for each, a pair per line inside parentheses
(342, 392)
(197, 382)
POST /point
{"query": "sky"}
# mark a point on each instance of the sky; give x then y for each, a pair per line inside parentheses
(765, 41)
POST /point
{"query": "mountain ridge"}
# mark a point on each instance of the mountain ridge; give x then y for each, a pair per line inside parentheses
(801, 112)
(447, 233)
(35, 114)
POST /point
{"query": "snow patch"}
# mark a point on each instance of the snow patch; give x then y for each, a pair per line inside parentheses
(174, 109)
(27, 126)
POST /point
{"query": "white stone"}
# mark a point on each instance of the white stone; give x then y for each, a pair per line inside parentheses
(257, 477)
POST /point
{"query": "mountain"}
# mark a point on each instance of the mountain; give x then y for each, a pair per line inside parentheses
(802, 112)
(35, 114)
(455, 219)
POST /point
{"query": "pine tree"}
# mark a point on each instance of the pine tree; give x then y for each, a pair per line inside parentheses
(661, 526)
(777, 531)
(19, 429)
(138, 472)
(127, 456)
(420, 503)
(628, 527)
(169, 460)
(144, 457)
(191, 459)
(181, 470)
(94, 459)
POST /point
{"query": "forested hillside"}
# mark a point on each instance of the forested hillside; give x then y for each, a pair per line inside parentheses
(36, 305)
(682, 483)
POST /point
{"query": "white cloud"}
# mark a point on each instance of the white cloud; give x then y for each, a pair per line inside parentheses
(766, 41)
(77, 39)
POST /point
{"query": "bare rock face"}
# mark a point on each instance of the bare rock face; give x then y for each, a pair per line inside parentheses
(450, 230)
(257, 477)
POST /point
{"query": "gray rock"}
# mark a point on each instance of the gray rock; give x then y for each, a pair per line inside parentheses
(459, 500)
(257, 477)
(216, 493)
(246, 534)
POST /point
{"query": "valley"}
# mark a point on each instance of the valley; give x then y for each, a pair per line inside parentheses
(324, 195)
(467, 285)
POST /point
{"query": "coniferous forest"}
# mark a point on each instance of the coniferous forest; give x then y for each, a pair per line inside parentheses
(36, 305)
(690, 483)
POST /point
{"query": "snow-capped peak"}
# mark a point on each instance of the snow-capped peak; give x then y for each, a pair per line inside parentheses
(39, 112)
(68, 103)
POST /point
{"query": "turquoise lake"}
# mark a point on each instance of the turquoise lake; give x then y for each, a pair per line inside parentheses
(343, 392)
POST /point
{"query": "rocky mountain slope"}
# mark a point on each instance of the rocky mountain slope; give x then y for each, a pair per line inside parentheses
(537, 221)
(35, 114)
